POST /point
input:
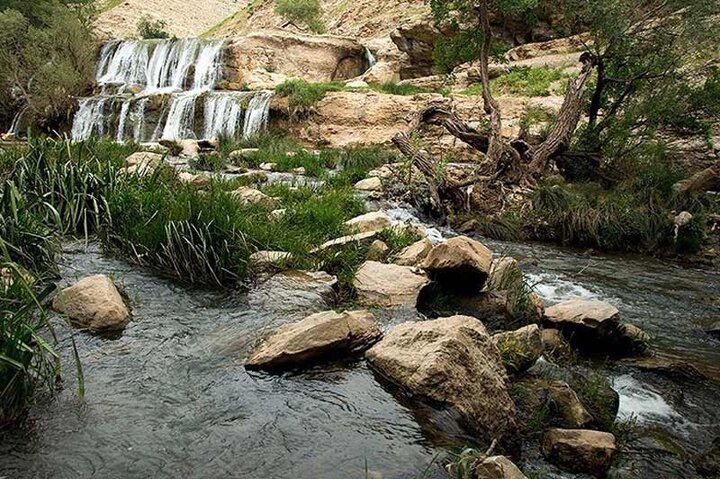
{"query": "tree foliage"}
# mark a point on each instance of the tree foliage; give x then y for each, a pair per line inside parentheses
(307, 12)
(152, 29)
(47, 56)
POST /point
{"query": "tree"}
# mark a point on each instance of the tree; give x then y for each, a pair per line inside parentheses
(46, 59)
(306, 12)
(640, 51)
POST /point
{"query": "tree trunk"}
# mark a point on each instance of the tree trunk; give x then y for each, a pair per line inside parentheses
(705, 180)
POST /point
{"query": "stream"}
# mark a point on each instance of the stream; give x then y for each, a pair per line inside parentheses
(170, 397)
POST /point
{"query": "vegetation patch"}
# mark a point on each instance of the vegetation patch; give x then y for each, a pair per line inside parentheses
(149, 28)
(303, 12)
(303, 95)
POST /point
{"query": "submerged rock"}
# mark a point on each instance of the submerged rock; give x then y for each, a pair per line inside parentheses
(497, 467)
(94, 303)
(519, 349)
(579, 450)
(374, 221)
(707, 464)
(317, 336)
(294, 292)
(451, 361)
(380, 284)
(414, 254)
(459, 264)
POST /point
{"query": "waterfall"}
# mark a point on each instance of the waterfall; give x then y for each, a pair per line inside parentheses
(121, 122)
(181, 117)
(224, 114)
(208, 66)
(372, 61)
(15, 125)
(138, 119)
(89, 118)
(126, 66)
(256, 117)
(166, 85)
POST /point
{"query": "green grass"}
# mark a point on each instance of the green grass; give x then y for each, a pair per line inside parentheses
(303, 95)
(393, 88)
(523, 81)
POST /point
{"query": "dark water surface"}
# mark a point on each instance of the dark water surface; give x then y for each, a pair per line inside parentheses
(170, 397)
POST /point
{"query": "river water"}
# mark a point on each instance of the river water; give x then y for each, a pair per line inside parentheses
(170, 398)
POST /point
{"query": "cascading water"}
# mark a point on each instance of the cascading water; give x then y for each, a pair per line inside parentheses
(256, 118)
(164, 89)
(372, 61)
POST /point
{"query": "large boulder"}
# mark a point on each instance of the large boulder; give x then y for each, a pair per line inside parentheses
(374, 221)
(584, 314)
(519, 349)
(594, 327)
(379, 284)
(311, 57)
(459, 264)
(497, 467)
(94, 303)
(451, 361)
(319, 335)
(542, 403)
(414, 254)
(416, 38)
(579, 450)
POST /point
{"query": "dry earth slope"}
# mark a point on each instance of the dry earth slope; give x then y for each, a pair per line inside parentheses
(185, 18)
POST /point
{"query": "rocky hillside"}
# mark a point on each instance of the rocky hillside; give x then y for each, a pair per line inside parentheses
(185, 18)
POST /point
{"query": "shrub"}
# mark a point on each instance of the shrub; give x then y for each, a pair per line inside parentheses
(303, 95)
(152, 29)
(307, 12)
(528, 81)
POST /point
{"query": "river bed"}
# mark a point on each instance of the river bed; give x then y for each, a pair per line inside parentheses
(170, 397)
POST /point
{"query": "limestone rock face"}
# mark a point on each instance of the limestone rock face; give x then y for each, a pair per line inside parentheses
(374, 221)
(519, 349)
(414, 254)
(497, 467)
(311, 57)
(380, 284)
(460, 264)
(451, 361)
(416, 38)
(579, 450)
(316, 336)
(94, 303)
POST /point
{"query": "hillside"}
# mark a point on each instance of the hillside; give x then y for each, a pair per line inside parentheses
(185, 18)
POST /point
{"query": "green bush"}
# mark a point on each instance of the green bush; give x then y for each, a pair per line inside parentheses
(149, 29)
(303, 95)
(47, 59)
(307, 12)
